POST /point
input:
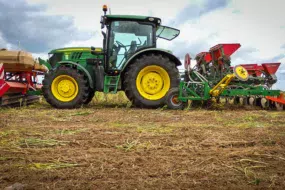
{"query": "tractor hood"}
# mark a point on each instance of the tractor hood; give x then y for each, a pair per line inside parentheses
(74, 49)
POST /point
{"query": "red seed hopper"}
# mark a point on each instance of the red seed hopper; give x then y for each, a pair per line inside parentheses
(221, 50)
(203, 57)
(265, 68)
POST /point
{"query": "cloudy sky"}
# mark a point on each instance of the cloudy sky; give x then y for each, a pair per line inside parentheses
(259, 25)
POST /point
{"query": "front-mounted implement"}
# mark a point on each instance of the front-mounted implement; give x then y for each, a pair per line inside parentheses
(18, 78)
(214, 77)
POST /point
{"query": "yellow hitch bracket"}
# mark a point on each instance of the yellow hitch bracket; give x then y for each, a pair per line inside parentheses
(219, 88)
(239, 72)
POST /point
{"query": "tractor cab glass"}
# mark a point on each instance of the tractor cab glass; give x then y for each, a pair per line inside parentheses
(167, 33)
(127, 37)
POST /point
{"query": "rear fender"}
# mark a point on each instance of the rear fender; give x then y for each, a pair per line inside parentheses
(155, 51)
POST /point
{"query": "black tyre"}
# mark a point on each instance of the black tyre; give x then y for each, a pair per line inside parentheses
(65, 88)
(172, 101)
(148, 79)
(90, 96)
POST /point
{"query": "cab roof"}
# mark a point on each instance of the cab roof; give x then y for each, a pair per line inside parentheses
(134, 17)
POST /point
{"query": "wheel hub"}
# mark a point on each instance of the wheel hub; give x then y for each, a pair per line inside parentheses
(152, 83)
(175, 100)
(64, 88)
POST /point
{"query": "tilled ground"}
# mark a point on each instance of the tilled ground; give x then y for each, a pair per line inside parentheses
(124, 148)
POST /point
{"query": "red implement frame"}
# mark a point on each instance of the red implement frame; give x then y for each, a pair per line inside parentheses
(280, 99)
(15, 82)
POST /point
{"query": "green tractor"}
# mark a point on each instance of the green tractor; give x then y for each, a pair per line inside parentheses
(128, 61)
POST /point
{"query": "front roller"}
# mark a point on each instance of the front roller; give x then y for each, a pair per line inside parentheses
(65, 88)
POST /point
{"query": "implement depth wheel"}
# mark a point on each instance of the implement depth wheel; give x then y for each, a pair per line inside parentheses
(172, 100)
(65, 88)
(263, 103)
(148, 80)
(251, 101)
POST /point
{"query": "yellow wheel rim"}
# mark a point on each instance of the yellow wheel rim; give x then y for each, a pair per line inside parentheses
(153, 82)
(241, 73)
(64, 88)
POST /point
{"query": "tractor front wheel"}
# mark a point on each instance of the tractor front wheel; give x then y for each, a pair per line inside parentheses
(148, 79)
(65, 88)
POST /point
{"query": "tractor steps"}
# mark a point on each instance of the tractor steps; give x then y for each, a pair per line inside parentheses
(111, 84)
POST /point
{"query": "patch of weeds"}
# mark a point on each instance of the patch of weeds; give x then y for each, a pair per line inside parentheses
(281, 134)
(250, 125)
(219, 119)
(8, 158)
(163, 129)
(4, 122)
(129, 105)
(81, 113)
(256, 181)
(250, 118)
(146, 145)
(274, 115)
(64, 119)
(4, 158)
(128, 146)
(247, 168)
(7, 133)
(39, 143)
(162, 108)
(121, 125)
(268, 142)
(69, 131)
(50, 166)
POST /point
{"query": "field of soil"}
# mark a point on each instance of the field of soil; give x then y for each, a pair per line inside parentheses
(118, 147)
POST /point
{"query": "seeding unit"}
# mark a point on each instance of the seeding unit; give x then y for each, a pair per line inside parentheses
(18, 78)
(214, 77)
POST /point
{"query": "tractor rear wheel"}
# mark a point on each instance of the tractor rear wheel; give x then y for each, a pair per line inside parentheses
(148, 79)
(65, 88)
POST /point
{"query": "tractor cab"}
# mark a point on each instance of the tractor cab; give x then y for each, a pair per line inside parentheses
(125, 35)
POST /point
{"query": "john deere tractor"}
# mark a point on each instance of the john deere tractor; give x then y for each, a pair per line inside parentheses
(128, 61)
